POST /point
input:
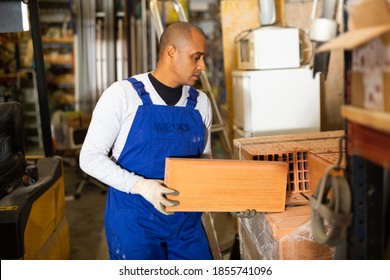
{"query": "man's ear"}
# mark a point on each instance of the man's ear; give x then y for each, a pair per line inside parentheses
(171, 51)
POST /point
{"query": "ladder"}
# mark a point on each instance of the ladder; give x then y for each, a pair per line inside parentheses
(218, 126)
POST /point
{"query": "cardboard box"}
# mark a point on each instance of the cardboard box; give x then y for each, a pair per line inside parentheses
(281, 236)
(369, 39)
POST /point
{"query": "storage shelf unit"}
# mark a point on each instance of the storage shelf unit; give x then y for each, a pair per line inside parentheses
(368, 170)
(367, 114)
(58, 48)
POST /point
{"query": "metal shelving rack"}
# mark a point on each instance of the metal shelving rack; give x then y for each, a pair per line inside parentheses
(368, 173)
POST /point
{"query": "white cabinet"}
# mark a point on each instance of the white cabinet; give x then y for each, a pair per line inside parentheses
(274, 102)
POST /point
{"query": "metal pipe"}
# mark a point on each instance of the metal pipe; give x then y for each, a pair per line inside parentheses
(144, 37)
(41, 82)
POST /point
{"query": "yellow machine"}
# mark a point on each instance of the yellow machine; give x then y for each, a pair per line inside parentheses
(32, 220)
(32, 196)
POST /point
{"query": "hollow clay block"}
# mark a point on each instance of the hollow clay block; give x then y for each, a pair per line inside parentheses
(226, 185)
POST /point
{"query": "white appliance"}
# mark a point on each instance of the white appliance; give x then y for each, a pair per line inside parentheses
(269, 47)
(272, 102)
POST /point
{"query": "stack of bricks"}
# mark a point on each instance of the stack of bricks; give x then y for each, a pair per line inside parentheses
(281, 236)
(320, 149)
(287, 235)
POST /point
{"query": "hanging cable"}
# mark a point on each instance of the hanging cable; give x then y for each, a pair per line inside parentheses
(331, 216)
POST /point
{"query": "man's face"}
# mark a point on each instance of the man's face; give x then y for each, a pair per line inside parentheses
(189, 60)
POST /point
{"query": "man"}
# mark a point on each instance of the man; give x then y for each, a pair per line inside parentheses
(144, 120)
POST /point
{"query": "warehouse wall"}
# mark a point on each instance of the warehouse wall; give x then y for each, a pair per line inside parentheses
(298, 14)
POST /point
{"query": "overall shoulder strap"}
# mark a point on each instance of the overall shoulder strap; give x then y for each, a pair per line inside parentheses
(192, 99)
(140, 88)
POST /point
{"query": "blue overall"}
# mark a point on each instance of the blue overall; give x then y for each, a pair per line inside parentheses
(134, 228)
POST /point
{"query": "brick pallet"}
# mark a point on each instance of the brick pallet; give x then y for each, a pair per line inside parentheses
(287, 235)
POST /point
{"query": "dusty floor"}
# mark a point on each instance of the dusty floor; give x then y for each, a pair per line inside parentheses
(85, 218)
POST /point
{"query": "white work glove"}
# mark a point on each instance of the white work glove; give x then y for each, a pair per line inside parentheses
(247, 214)
(154, 192)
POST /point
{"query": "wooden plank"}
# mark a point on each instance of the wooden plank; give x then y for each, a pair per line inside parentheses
(224, 185)
(372, 119)
(232, 24)
(369, 143)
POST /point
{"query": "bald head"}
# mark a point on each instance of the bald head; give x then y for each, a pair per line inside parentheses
(181, 56)
(178, 34)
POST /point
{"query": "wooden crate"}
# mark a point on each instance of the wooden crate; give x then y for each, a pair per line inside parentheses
(281, 236)
(222, 185)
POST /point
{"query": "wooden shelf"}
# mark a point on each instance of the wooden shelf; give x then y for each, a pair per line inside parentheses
(59, 53)
(372, 119)
(8, 77)
(59, 59)
(59, 40)
(368, 133)
(369, 143)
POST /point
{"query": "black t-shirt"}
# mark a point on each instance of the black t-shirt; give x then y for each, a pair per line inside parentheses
(170, 95)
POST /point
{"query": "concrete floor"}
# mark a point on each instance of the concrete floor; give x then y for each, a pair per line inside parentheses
(85, 217)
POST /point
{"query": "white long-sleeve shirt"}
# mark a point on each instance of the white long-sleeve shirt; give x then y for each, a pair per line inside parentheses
(111, 122)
